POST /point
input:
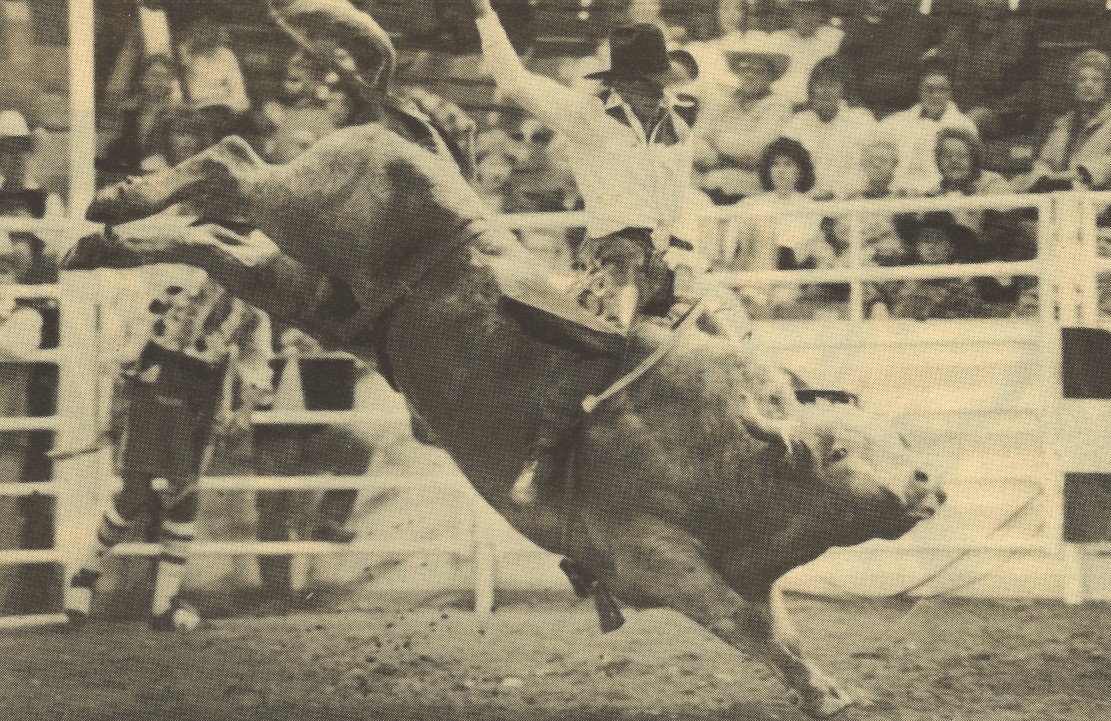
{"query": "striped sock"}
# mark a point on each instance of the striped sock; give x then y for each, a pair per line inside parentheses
(176, 537)
(113, 528)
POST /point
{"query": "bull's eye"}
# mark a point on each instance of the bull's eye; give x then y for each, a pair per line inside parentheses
(837, 454)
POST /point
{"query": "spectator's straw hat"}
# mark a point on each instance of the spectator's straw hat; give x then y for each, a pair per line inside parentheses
(14, 132)
(640, 51)
(757, 48)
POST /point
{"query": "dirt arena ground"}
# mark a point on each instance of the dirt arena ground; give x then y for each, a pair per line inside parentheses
(544, 661)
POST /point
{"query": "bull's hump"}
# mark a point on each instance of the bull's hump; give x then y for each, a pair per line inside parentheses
(358, 190)
(410, 165)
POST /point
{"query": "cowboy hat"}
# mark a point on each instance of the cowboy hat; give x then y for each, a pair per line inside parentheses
(761, 48)
(14, 132)
(641, 51)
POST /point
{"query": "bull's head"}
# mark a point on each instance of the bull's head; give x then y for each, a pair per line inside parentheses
(858, 460)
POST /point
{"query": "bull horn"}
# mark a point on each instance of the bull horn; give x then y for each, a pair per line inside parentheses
(766, 429)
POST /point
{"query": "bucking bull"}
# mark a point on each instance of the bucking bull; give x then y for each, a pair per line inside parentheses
(695, 488)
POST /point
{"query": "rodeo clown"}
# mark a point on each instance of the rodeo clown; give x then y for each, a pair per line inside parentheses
(175, 356)
(631, 153)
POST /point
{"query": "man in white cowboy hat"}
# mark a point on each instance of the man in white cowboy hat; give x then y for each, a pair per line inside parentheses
(16, 146)
(20, 191)
(809, 39)
(741, 117)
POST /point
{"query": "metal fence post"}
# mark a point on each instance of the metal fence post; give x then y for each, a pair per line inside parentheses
(483, 558)
(79, 476)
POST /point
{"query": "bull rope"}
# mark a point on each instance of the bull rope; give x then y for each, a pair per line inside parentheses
(592, 402)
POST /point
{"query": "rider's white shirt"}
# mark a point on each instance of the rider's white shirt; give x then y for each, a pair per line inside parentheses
(627, 178)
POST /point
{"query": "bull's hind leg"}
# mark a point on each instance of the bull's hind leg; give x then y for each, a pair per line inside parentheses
(219, 171)
(659, 564)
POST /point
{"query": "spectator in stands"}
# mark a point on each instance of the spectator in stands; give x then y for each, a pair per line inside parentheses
(787, 175)
(300, 116)
(882, 235)
(832, 132)
(740, 118)
(780, 229)
(938, 240)
(809, 39)
(883, 48)
(879, 160)
(17, 175)
(1078, 148)
(212, 76)
(16, 147)
(993, 57)
(915, 131)
(140, 117)
(960, 156)
(495, 158)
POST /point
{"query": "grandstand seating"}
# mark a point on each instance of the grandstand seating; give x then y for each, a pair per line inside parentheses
(438, 48)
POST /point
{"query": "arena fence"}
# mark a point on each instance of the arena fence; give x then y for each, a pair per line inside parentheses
(1067, 270)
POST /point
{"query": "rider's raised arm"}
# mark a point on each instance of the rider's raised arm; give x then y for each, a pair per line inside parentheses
(566, 111)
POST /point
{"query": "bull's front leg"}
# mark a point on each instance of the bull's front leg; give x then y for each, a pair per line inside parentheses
(819, 694)
(661, 564)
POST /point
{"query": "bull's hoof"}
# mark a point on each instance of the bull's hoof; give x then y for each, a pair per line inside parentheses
(610, 617)
(126, 201)
(826, 702)
(91, 252)
(582, 582)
